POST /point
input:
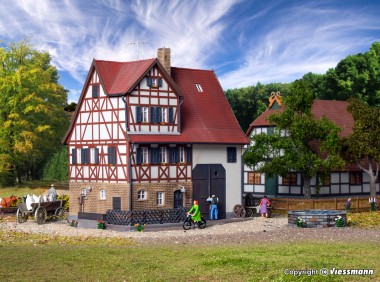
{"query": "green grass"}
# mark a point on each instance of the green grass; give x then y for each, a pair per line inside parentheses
(47, 258)
(30, 187)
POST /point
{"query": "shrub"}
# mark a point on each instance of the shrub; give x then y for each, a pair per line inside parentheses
(7, 179)
(67, 203)
(58, 166)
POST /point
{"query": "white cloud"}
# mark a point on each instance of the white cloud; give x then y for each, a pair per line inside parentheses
(244, 41)
(299, 40)
(75, 32)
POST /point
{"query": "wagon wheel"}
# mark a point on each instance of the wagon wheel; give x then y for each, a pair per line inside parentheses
(21, 217)
(40, 215)
(250, 212)
(61, 213)
(239, 211)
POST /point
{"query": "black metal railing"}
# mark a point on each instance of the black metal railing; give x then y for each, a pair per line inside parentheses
(118, 217)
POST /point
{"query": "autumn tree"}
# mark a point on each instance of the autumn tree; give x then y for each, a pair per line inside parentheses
(299, 142)
(32, 117)
(362, 147)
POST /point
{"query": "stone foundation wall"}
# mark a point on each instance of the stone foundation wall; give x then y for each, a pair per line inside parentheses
(168, 188)
(94, 204)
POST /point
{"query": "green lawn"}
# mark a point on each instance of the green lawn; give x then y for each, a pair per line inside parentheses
(48, 258)
(30, 187)
(57, 258)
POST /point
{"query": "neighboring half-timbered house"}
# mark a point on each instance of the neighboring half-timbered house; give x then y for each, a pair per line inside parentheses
(146, 135)
(348, 181)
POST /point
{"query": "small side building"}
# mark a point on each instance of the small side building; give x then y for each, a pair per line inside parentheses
(348, 181)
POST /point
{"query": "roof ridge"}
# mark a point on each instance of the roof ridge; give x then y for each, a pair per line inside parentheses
(119, 62)
(192, 69)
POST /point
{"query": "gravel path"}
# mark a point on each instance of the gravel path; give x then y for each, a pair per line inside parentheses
(255, 230)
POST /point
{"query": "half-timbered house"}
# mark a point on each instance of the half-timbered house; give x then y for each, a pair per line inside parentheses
(347, 181)
(146, 135)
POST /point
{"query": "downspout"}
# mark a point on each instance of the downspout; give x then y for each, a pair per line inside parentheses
(179, 113)
(130, 176)
(242, 173)
(126, 113)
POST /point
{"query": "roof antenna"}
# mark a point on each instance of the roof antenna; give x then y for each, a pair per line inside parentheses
(137, 43)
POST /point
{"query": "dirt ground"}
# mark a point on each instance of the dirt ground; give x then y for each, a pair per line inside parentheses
(253, 231)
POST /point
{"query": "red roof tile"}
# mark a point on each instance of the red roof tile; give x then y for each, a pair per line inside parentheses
(121, 77)
(335, 111)
(206, 116)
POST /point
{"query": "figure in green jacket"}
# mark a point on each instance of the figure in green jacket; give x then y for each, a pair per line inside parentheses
(195, 212)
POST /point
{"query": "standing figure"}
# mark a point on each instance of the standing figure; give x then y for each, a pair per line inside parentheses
(213, 207)
(52, 194)
(264, 203)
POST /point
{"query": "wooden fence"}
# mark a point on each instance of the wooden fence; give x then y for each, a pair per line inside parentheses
(358, 204)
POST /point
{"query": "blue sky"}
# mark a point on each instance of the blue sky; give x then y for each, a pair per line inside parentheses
(245, 42)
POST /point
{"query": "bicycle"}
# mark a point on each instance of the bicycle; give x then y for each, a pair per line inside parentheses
(189, 223)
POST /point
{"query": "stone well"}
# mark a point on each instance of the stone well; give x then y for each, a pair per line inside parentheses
(316, 218)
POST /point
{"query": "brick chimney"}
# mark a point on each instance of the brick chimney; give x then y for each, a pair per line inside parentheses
(163, 56)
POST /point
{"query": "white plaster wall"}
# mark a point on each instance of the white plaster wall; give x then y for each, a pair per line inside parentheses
(217, 154)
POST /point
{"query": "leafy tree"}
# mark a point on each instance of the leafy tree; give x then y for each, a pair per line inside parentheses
(362, 147)
(299, 142)
(32, 117)
(71, 107)
(249, 102)
(356, 76)
(317, 84)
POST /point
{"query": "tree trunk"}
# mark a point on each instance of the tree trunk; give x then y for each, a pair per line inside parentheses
(306, 186)
(372, 177)
(372, 186)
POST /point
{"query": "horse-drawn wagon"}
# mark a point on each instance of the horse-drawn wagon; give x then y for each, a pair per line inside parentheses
(41, 211)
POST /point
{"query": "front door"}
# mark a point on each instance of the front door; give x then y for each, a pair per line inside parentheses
(178, 199)
(210, 179)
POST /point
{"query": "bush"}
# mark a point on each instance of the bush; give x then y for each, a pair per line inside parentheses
(57, 168)
(7, 179)
(67, 203)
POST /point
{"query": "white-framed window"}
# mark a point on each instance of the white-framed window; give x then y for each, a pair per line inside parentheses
(144, 114)
(154, 82)
(141, 195)
(199, 87)
(144, 155)
(181, 154)
(79, 155)
(163, 154)
(102, 194)
(160, 198)
(94, 157)
(163, 115)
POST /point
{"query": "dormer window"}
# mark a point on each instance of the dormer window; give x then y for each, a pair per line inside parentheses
(154, 82)
(199, 87)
